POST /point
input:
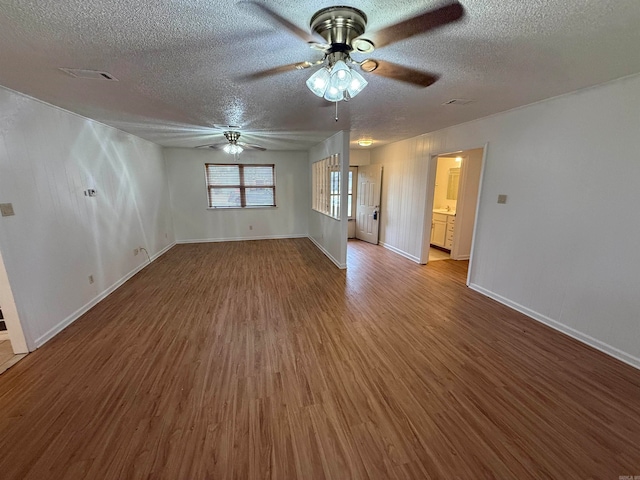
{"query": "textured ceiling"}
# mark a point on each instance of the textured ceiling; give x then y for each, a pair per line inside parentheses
(180, 64)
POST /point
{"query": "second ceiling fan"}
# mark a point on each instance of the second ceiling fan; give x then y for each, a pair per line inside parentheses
(340, 31)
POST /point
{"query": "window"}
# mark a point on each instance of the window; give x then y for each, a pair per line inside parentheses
(240, 185)
(325, 181)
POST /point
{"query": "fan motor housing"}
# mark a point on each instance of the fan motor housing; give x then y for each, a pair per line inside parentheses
(339, 26)
(232, 136)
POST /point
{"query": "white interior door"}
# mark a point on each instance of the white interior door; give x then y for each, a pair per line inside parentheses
(368, 207)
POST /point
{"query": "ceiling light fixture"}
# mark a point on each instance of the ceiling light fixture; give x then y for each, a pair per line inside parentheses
(335, 80)
(365, 142)
(233, 149)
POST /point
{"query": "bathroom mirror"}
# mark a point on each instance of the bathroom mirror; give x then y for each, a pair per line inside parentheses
(452, 184)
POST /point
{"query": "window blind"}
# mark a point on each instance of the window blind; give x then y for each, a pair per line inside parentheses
(240, 185)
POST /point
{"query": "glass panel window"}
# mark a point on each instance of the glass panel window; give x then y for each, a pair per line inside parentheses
(353, 175)
(259, 196)
(325, 186)
(240, 185)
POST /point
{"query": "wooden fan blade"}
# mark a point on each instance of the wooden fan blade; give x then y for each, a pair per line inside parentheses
(403, 74)
(275, 71)
(251, 146)
(215, 146)
(297, 31)
(430, 20)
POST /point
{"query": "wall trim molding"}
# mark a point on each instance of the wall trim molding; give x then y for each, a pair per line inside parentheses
(562, 328)
(400, 252)
(97, 299)
(341, 266)
(241, 239)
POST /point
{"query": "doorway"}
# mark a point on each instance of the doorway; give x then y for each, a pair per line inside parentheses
(13, 346)
(452, 200)
(367, 206)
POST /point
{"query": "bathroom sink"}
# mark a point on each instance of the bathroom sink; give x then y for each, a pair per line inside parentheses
(444, 210)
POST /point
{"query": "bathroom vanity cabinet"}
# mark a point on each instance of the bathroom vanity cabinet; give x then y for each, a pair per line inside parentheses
(442, 229)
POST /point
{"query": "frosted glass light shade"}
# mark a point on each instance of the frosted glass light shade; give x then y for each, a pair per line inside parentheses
(357, 84)
(233, 149)
(340, 75)
(334, 94)
(319, 81)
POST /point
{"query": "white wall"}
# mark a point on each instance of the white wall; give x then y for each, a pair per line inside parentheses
(359, 157)
(329, 234)
(194, 222)
(58, 236)
(564, 248)
(404, 191)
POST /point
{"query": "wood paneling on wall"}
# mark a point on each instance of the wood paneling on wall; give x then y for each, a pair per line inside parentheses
(59, 236)
(563, 248)
(405, 170)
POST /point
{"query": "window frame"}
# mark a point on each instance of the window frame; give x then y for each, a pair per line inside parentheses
(322, 185)
(241, 187)
(351, 215)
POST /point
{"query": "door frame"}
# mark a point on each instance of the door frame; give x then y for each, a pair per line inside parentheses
(428, 204)
(10, 313)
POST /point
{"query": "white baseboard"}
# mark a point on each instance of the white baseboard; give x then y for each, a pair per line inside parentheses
(160, 253)
(241, 239)
(463, 257)
(582, 337)
(85, 308)
(341, 266)
(400, 252)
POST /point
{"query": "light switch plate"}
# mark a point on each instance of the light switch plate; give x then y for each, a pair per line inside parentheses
(6, 209)
(502, 198)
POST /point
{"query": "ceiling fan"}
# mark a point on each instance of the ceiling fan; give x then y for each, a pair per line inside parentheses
(340, 31)
(232, 145)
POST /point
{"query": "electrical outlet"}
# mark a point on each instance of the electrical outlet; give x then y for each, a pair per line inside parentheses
(136, 252)
(90, 279)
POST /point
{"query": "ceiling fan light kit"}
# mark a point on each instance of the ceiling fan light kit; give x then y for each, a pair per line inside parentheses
(232, 146)
(339, 31)
(338, 26)
(233, 149)
(336, 81)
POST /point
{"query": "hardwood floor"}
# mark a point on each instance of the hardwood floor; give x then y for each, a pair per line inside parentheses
(261, 359)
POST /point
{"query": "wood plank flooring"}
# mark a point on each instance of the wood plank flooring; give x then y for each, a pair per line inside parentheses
(261, 360)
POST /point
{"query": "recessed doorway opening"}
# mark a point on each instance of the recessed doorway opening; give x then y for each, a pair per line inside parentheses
(451, 207)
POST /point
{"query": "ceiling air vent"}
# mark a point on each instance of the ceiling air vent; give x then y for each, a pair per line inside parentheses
(89, 74)
(458, 101)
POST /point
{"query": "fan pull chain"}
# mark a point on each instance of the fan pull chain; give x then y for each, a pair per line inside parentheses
(336, 111)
